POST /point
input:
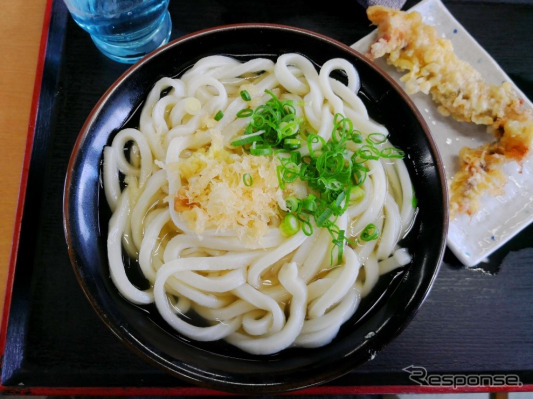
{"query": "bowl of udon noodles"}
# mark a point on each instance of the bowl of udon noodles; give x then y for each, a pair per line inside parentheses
(255, 209)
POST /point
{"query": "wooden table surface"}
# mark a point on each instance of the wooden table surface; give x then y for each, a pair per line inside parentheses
(21, 25)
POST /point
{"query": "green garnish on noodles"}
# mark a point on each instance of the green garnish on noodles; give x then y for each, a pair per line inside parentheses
(333, 172)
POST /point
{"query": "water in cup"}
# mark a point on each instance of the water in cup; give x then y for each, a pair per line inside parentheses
(124, 30)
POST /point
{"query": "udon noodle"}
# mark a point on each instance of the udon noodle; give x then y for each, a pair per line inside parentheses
(204, 217)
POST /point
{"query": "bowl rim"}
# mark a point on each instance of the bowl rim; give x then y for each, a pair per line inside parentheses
(131, 342)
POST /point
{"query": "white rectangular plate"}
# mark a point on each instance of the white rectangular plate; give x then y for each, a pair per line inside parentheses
(471, 238)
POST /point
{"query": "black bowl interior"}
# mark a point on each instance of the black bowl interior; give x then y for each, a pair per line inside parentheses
(381, 315)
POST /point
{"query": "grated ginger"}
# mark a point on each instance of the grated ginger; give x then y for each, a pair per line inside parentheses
(213, 194)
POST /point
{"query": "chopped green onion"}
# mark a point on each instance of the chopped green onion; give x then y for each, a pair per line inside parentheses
(376, 138)
(314, 139)
(360, 172)
(343, 128)
(339, 244)
(370, 232)
(368, 152)
(245, 95)
(219, 115)
(392, 152)
(308, 204)
(307, 227)
(356, 194)
(247, 140)
(279, 171)
(247, 179)
(414, 200)
(288, 128)
(290, 172)
(340, 198)
(244, 113)
(292, 203)
(290, 225)
(333, 170)
(261, 151)
(324, 217)
(292, 144)
(296, 157)
(277, 118)
(357, 137)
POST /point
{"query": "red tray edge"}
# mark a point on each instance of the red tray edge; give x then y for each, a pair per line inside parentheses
(24, 177)
(319, 390)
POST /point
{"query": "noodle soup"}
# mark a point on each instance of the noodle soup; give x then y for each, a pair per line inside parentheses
(260, 196)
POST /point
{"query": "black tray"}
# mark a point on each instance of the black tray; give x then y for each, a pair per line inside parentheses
(476, 322)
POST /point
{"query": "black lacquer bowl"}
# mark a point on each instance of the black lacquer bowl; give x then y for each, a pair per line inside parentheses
(381, 316)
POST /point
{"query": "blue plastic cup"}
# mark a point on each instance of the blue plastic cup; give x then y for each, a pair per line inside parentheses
(123, 30)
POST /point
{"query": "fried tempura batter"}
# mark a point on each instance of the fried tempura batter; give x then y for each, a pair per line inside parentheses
(459, 91)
